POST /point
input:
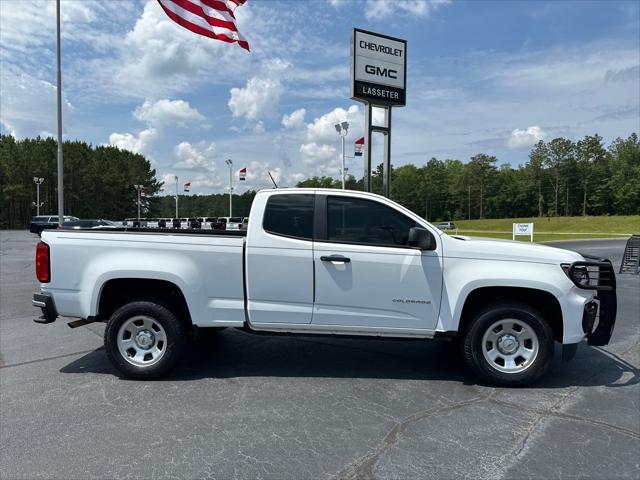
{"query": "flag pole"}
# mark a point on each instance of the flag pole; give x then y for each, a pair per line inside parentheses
(59, 85)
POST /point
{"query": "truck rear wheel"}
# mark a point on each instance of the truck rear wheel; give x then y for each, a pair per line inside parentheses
(508, 343)
(144, 340)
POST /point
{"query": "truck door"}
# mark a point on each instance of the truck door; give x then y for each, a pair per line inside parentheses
(365, 273)
(279, 261)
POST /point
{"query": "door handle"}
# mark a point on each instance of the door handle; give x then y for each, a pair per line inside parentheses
(335, 258)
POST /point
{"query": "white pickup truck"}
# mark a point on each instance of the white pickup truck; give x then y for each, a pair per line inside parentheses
(328, 262)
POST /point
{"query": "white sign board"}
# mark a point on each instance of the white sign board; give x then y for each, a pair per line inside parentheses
(379, 68)
(523, 229)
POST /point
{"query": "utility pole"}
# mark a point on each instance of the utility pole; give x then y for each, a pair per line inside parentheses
(566, 209)
(229, 163)
(59, 100)
(342, 129)
(38, 181)
(176, 178)
(469, 203)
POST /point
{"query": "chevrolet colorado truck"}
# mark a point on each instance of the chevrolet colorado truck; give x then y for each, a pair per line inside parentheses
(327, 262)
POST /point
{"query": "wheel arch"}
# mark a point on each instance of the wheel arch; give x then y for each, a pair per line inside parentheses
(116, 292)
(543, 301)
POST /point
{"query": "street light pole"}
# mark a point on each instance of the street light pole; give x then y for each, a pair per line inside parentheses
(176, 177)
(342, 129)
(59, 102)
(139, 188)
(38, 181)
(229, 163)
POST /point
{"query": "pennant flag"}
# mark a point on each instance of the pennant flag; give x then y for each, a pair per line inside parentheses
(187, 186)
(243, 174)
(359, 146)
(210, 18)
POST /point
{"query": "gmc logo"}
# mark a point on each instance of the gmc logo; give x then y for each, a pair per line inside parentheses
(381, 72)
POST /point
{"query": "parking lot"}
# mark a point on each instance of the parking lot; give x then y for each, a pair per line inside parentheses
(248, 406)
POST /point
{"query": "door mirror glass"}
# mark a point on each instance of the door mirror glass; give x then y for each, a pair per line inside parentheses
(421, 238)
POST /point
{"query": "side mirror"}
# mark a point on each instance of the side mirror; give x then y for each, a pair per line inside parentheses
(421, 238)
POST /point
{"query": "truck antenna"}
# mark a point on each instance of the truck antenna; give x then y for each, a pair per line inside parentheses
(271, 177)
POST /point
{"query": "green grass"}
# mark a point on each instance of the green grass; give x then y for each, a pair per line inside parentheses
(554, 228)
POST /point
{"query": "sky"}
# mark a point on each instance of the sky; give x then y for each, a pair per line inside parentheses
(483, 77)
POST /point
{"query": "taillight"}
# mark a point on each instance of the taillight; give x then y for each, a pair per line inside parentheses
(42, 263)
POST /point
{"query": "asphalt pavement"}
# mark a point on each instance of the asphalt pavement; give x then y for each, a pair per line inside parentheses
(248, 406)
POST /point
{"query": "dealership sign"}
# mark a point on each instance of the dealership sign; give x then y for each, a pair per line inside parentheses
(378, 68)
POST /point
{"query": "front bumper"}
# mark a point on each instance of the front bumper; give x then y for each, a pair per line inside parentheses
(44, 301)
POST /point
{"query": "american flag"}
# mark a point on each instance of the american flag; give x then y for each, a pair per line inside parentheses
(242, 174)
(211, 18)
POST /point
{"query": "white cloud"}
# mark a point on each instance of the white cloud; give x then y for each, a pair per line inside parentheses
(378, 9)
(526, 138)
(157, 115)
(166, 112)
(259, 128)
(323, 129)
(29, 106)
(139, 143)
(204, 181)
(316, 154)
(320, 150)
(295, 119)
(258, 99)
(199, 156)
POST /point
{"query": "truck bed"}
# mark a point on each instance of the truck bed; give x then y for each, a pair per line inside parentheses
(205, 265)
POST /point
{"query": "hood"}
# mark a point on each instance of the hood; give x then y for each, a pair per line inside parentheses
(496, 249)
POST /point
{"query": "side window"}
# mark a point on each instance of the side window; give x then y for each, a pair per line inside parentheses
(354, 220)
(290, 215)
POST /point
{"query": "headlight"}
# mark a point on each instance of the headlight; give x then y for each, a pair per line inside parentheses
(578, 274)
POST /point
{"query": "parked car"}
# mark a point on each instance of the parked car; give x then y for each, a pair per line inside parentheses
(446, 226)
(231, 223)
(210, 223)
(79, 224)
(46, 222)
(321, 261)
(245, 223)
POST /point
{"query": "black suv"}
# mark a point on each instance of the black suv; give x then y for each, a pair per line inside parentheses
(47, 222)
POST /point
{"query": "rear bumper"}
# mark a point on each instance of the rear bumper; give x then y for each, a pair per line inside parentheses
(44, 301)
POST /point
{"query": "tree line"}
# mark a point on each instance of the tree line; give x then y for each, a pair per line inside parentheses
(561, 177)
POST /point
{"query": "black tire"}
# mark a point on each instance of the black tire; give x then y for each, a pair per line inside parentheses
(472, 344)
(175, 332)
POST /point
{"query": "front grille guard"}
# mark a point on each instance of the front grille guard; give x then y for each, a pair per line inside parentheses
(604, 282)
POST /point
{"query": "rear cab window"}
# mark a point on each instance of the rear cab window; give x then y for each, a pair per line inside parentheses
(290, 215)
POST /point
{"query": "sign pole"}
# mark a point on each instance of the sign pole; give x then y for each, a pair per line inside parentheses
(59, 101)
(367, 154)
(386, 162)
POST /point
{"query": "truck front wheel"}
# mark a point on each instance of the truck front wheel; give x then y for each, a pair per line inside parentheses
(508, 343)
(144, 340)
